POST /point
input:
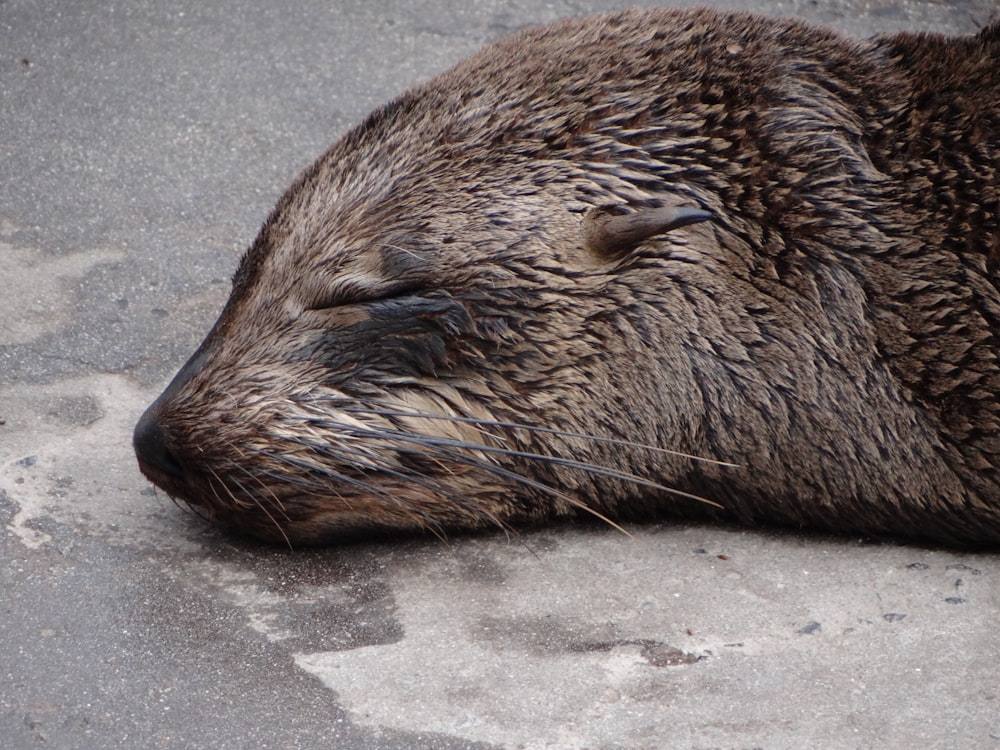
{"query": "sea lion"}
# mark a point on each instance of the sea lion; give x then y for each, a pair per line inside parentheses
(678, 262)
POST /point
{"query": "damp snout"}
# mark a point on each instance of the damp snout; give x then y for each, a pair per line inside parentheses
(149, 440)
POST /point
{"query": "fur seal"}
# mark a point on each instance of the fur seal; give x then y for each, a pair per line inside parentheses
(665, 262)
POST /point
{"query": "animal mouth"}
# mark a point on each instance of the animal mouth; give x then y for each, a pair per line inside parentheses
(304, 491)
(160, 464)
(202, 490)
(319, 478)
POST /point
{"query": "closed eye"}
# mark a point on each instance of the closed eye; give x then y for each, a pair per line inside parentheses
(349, 290)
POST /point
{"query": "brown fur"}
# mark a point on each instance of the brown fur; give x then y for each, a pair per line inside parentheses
(831, 330)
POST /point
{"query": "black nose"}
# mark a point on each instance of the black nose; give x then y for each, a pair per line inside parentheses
(150, 444)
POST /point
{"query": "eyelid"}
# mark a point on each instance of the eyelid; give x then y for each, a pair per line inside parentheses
(345, 293)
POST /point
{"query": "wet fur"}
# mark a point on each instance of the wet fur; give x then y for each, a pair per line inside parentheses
(831, 330)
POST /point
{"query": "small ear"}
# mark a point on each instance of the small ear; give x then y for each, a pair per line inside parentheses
(611, 234)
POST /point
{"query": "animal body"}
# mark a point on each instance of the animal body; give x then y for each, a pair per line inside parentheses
(653, 263)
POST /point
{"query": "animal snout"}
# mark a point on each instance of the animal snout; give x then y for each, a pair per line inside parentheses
(150, 443)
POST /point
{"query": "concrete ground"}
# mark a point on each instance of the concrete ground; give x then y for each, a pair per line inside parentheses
(141, 145)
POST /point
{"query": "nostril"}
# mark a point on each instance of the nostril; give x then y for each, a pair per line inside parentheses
(150, 444)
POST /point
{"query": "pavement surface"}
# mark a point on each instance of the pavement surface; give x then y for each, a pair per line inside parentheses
(141, 145)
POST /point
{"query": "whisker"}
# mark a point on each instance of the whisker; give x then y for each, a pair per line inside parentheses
(543, 430)
(277, 502)
(425, 521)
(521, 479)
(186, 505)
(219, 501)
(264, 509)
(412, 476)
(315, 486)
(554, 460)
(468, 460)
(457, 451)
(407, 251)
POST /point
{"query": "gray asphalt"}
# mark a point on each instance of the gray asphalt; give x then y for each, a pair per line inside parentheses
(141, 145)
